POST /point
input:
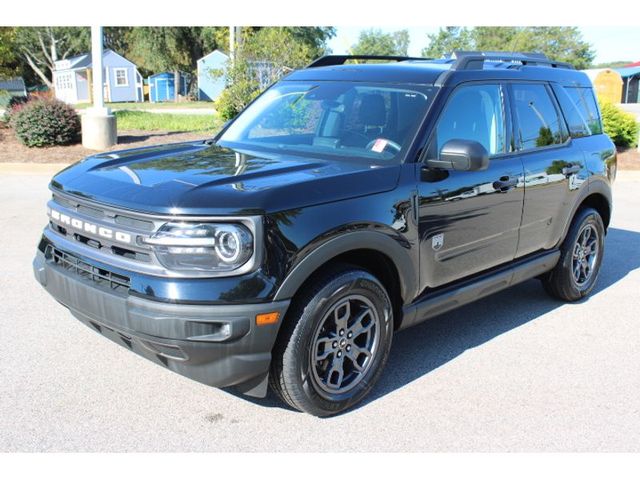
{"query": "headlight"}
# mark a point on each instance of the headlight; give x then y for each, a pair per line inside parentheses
(213, 247)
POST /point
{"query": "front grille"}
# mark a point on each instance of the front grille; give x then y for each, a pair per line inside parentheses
(83, 269)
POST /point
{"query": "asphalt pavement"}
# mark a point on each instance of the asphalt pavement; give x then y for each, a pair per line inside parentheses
(516, 371)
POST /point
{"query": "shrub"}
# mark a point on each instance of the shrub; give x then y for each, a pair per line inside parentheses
(621, 126)
(42, 123)
(13, 106)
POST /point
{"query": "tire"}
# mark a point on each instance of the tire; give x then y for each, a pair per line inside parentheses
(313, 347)
(569, 280)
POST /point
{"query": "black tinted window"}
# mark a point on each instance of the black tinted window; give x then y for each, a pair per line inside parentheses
(474, 112)
(538, 121)
(578, 124)
(585, 103)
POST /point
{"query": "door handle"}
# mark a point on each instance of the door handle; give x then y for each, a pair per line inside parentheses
(571, 169)
(505, 183)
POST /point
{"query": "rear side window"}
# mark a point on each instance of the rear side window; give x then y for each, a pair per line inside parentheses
(585, 102)
(538, 120)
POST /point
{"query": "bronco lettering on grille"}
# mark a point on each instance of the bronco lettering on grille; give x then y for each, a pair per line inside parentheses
(91, 228)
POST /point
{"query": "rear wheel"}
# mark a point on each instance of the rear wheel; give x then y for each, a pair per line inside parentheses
(335, 342)
(575, 275)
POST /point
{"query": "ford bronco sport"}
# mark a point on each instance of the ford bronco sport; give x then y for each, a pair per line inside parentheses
(348, 201)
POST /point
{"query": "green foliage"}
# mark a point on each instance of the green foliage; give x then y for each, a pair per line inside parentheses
(447, 40)
(39, 47)
(135, 120)
(376, 42)
(12, 105)
(621, 126)
(265, 56)
(9, 60)
(43, 123)
(559, 43)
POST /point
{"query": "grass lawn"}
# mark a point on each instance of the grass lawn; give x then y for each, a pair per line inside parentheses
(149, 105)
(132, 120)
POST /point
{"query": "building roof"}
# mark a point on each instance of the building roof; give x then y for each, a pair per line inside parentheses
(83, 61)
(628, 71)
(634, 64)
(216, 52)
(592, 73)
(13, 84)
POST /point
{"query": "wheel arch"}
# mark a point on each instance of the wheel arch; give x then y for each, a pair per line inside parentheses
(375, 252)
(596, 196)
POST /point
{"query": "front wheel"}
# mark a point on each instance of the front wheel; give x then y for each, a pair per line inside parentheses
(575, 275)
(335, 342)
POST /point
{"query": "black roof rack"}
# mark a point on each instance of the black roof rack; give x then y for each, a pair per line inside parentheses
(464, 60)
(329, 60)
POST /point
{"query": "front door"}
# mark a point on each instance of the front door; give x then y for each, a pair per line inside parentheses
(469, 221)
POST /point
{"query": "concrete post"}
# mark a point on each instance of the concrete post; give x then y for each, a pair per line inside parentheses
(98, 124)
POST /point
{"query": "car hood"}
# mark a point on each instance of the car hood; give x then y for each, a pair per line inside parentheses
(197, 178)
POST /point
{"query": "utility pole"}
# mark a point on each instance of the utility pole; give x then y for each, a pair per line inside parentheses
(232, 44)
(98, 124)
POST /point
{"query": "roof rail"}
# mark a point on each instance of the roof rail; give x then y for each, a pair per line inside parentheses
(329, 60)
(464, 60)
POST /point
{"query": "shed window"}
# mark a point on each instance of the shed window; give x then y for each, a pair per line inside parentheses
(122, 79)
(63, 81)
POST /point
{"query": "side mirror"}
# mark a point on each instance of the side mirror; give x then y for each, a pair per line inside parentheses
(463, 155)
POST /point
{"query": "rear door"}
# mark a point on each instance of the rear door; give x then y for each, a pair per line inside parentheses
(553, 165)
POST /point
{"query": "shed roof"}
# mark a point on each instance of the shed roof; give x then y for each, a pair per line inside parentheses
(217, 52)
(84, 61)
(628, 71)
(592, 73)
(13, 84)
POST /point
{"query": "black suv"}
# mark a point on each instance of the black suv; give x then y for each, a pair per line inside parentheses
(348, 201)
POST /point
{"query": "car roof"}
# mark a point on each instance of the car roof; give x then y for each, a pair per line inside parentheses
(439, 72)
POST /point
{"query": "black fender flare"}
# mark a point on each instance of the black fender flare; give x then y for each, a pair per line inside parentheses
(596, 186)
(380, 242)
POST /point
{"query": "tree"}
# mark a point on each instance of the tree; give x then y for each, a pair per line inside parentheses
(376, 42)
(447, 40)
(266, 55)
(559, 43)
(157, 49)
(41, 47)
(9, 60)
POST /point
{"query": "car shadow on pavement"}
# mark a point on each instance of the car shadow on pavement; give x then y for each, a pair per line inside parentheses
(427, 346)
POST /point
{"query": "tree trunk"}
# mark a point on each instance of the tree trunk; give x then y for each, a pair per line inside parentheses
(39, 72)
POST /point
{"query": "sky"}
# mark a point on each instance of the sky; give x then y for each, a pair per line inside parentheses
(610, 43)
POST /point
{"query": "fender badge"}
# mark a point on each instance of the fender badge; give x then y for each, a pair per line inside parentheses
(437, 241)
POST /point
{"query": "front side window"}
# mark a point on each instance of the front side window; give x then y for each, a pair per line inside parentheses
(538, 120)
(121, 77)
(341, 119)
(474, 112)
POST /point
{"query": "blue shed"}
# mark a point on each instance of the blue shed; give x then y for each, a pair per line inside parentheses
(72, 79)
(162, 86)
(211, 69)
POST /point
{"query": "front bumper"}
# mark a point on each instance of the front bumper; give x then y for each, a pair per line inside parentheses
(218, 345)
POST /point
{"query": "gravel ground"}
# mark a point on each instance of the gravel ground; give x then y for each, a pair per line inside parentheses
(513, 372)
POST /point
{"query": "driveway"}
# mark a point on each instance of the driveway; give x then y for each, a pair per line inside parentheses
(517, 371)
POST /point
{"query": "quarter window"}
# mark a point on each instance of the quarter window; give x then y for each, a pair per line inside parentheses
(121, 77)
(585, 103)
(474, 112)
(538, 120)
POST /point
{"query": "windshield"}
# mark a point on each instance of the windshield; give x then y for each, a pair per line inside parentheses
(343, 119)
